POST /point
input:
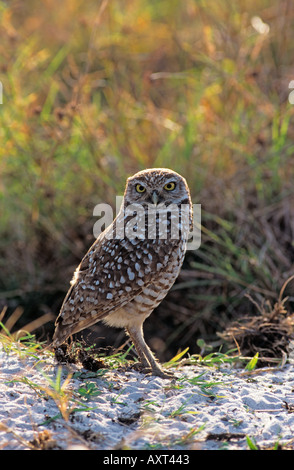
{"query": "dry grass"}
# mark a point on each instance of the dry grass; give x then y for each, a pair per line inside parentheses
(268, 334)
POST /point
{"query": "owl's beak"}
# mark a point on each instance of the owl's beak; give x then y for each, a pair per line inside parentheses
(155, 198)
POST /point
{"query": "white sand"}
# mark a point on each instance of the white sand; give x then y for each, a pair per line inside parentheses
(131, 411)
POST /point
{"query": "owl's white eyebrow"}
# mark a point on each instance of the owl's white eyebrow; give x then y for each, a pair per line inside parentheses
(171, 180)
(138, 182)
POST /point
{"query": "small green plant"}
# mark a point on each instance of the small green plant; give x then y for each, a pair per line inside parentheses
(149, 405)
(252, 363)
(66, 399)
(277, 445)
(176, 360)
(215, 358)
(251, 443)
(59, 392)
(188, 438)
(118, 359)
(33, 385)
(117, 399)
(88, 390)
(22, 342)
(204, 385)
(181, 410)
(153, 446)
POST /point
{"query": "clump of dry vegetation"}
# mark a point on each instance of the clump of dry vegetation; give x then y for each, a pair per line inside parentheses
(72, 354)
(269, 334)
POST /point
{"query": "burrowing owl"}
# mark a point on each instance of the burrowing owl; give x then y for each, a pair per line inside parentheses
(133, 264)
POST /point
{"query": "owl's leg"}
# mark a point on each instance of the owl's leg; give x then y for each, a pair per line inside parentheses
(143, 364)
(145, 354)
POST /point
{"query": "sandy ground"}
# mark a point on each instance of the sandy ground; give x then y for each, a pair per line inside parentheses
(205, 408)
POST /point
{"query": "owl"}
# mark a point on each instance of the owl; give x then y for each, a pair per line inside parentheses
(133, 263)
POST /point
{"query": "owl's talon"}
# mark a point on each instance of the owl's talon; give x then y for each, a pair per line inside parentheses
(163, 374)
(138, 366)
(157, 372)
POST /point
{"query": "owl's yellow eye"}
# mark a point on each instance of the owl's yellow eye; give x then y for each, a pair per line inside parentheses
(170, 186)
(140, 188)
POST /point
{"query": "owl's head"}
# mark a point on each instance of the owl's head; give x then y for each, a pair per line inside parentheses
(157, 186)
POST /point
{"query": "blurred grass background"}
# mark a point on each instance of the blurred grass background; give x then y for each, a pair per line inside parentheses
(95, 91)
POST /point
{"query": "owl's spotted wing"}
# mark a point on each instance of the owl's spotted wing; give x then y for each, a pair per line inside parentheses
(110, 275)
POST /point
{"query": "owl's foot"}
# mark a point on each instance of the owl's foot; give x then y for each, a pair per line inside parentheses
(148, 364)
(146, 369)
(158, 372)
(141, 367)
(164, 374)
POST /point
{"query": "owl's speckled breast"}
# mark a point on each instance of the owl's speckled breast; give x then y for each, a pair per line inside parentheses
(153, 293)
